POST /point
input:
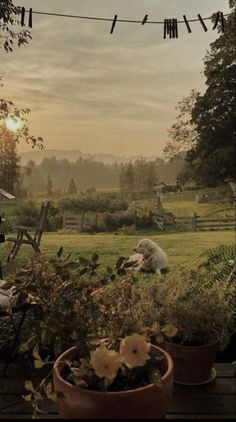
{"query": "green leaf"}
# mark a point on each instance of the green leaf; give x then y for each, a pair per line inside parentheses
(121, 271)
(109, 270)
(38, 364)
(26, 346)
(59, 252)
(28, 397)
(159, 338)
(84, 261)
(169, 330)
(95, 257)
(83, 271)
(120, 262)
(36, 352)
(73, 265)
(29, 386)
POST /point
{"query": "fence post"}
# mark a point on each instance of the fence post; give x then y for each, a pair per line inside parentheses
(82, 221)
(135, 218)
(194, 222)
(96, 221)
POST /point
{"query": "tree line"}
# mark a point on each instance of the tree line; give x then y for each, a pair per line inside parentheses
(63, 177)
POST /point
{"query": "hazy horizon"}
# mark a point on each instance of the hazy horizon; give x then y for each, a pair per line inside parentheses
(101, 93)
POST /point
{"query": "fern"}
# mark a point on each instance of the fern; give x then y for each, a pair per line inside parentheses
(222, 258)
(224, 210)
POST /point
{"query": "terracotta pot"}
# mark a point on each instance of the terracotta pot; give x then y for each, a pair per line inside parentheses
(192, 364)
(145, 402)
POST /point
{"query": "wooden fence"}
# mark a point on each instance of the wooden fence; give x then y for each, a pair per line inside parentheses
(72, 222)
(200, 223)
(76, 222)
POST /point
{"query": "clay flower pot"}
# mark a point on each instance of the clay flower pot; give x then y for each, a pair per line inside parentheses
(146, 402)
(193, 364)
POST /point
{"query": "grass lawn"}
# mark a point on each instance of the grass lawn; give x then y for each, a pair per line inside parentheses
(180, 247)
(186, 208)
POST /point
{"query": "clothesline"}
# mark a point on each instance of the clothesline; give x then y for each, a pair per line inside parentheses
(170, 25)
(36, 12)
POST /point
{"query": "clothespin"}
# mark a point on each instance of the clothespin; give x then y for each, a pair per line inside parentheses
(203, 23)
(22, 16)
(219, 17)
(30, 24)
(175, 28)
(165, 28)
(171, 28)
(113, 24)
(187, 24)
(144, 19)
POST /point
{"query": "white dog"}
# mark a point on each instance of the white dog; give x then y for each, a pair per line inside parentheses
(148, 257)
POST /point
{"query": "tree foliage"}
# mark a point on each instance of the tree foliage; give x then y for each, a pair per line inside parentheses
(11, 30)
(72, 188)
(140, 175)
(205, 126)
(183, 134)
(214, 113)
(8, 110)
(9, 163)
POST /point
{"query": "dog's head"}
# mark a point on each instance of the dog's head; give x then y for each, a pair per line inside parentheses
(146, 247)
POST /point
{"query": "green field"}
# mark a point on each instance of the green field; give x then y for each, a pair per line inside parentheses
(180, 247)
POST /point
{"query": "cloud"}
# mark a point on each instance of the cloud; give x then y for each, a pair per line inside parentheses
(110, 92)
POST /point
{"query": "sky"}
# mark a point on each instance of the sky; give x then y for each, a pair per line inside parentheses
(102, 93)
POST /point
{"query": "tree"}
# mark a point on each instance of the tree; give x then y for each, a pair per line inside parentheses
(9, 26)
(183, 134)
(8, 111)
(9, 163)
(214, 113)
(210, 156)
(72, 188)
(49, 186)
(9, 160)
(151, 175)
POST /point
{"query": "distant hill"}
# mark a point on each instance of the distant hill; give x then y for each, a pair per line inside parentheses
(73, 155)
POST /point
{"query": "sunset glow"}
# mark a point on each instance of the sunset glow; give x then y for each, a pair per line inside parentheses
(13, 124)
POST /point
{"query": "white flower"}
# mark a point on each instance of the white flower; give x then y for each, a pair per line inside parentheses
(134, 350)
(105, 362)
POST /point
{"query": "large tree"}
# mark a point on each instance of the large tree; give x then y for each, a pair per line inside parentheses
(210, 157)
(214, 113)
(12, 31)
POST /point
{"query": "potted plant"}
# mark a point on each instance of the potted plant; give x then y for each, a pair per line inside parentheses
(200, 302)
(80, 306)
(127, 379)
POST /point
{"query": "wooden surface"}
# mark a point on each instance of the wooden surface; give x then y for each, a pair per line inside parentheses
(216, 400)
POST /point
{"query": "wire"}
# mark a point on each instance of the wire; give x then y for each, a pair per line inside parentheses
(111, 19)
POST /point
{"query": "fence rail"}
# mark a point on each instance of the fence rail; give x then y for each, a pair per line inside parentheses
(200, 223)
(71, 222)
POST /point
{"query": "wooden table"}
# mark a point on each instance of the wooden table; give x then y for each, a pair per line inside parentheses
(216, 400)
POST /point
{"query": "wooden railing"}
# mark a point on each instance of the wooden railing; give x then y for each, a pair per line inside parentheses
(72, 222)
(200, 223)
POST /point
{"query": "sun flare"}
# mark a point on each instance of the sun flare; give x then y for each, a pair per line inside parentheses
(13, 124)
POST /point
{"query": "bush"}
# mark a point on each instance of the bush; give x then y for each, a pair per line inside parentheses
(144, 221)
(93, 202)
(27, 214)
